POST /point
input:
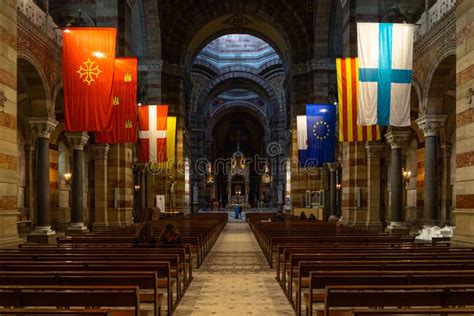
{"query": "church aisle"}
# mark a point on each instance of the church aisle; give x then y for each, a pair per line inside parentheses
(234, 280)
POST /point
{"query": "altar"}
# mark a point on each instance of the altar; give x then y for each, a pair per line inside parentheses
(238, 180)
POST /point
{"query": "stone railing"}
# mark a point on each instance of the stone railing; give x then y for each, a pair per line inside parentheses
(39, 18)
(435, 13)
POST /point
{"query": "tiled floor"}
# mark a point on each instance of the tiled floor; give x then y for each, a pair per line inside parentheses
(234, 280)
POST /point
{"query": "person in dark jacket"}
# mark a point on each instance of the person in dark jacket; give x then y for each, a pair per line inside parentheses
(170, 235)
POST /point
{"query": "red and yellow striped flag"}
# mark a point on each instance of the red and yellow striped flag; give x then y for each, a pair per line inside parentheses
(347, 88)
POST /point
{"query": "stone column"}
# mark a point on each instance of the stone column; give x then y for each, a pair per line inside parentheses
(430, 125)
(142, 182)
(397, 138)
(325, 187)
(446, 190)
(78, 141)
(42, 129)
(101, 152)
(333, 167)
(374, 153)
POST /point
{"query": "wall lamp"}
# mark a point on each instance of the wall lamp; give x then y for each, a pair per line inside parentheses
(68, 178)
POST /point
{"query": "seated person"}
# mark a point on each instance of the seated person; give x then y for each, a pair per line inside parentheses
(303, 215)
(144, 235)
(278, 217)
(170, 235)
(312, 218)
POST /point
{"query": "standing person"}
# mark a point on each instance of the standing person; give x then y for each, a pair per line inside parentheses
(170, 235)
(237, 211)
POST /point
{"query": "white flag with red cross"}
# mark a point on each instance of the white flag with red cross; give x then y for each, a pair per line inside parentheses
(152, 121)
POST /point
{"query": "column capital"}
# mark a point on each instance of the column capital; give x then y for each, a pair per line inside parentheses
(42, 126)
(141, 167)
(431, 124)
(101, 151)
(397, 138)
(446, 150)
(374, 149)
(77, 139)
(324, 171)
(332, 166)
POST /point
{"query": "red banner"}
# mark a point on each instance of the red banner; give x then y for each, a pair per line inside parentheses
(123, 127)
(88, 71)
(153, 129)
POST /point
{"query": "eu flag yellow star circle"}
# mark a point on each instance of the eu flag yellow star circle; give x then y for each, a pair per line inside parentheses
(321, 130)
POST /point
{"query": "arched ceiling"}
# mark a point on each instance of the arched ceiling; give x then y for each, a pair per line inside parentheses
(282, 23)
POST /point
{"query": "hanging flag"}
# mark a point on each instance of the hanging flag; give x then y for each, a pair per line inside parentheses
(88, 70)
(320, 135)
(385, 72)
(170, 144)
(123, 128)
(347, 88)
(153, 128)
(302, 138)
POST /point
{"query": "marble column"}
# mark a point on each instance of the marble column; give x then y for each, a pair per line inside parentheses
(333, 167)
(42, 129)
(142, 182)
(446, 189)
(396, 138)
(101, 152)
(78, 141)
(325, 186)
(430, 125)
(374, 153)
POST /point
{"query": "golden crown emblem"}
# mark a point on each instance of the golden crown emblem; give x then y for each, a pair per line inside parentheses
(128, 124)
(116, 100)
(128, 77)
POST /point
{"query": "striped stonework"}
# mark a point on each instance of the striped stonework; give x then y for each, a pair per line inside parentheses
(8, 134)
(464, 210)
(354, 184)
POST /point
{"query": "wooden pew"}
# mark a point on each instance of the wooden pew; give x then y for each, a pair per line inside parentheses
(55, 312)
(162, 269)
(306, 268)
(143, 280)
(397, 296)
(295, 258)
(415, 311)
(20, 296)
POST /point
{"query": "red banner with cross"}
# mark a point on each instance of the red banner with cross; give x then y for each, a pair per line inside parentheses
(123, 127)
(88, 72)
(152, 120)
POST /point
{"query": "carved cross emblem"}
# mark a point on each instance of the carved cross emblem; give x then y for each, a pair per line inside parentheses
(90, 72)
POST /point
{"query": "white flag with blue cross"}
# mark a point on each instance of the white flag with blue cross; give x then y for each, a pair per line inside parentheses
(385, 73)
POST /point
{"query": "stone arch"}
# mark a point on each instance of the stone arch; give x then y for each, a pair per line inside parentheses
(432, 89)
(33, 80)
(273, 18)
(196, 47)
(248, 80)
(237, 106)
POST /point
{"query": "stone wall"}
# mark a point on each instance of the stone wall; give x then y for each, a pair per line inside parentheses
(464, 212)
(8, 124)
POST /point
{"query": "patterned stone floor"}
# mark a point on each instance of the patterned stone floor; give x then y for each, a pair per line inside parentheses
(234, 280)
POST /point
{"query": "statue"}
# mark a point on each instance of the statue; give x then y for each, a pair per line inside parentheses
(195, 194)
(280, 193)
(172, 197)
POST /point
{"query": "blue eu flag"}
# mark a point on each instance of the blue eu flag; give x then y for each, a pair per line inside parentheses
(321, 129)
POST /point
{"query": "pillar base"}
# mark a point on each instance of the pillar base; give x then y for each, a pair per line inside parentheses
(374, 225)
(100, 226)
(398, 228)
(42, 235)
(76, 228)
